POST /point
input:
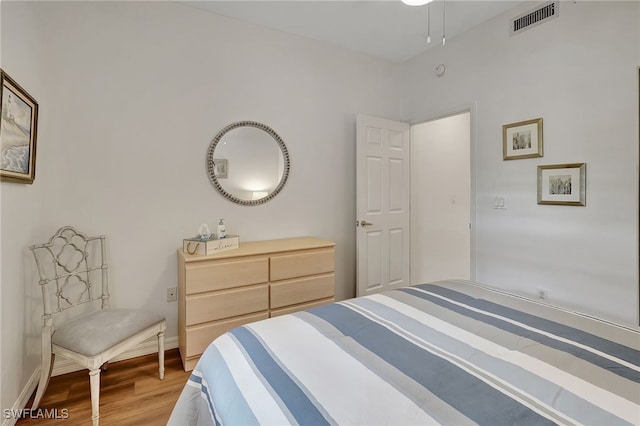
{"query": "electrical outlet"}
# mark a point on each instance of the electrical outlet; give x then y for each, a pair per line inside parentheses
(172, 294)
(542, 294)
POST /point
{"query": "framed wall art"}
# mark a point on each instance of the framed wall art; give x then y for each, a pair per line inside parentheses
(18, 132)
(522, 139)
(220, 167)
(562, 184)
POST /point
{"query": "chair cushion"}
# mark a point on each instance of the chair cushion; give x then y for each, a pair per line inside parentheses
(94, 333)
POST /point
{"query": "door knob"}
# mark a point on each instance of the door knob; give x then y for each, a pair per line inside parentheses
(365, 223)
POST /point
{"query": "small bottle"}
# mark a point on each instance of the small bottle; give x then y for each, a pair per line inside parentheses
(222, 232)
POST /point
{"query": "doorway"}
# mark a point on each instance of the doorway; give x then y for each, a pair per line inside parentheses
(441, 203)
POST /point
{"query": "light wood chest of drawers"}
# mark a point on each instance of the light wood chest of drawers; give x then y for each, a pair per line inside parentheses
(258, 280)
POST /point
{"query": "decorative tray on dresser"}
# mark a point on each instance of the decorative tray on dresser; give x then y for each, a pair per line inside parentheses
(258, 280)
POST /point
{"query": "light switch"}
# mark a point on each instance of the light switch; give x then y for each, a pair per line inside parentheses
(498, 202)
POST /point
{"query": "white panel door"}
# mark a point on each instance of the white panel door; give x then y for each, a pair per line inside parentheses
(382, 222)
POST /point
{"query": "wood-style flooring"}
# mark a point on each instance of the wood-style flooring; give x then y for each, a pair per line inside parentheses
(131, 393)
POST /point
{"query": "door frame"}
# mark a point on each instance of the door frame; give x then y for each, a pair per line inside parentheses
(473, 138)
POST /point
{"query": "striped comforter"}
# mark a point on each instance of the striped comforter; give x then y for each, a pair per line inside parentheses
(451, 353)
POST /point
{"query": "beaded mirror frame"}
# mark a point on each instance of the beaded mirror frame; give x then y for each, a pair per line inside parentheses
(211, 167)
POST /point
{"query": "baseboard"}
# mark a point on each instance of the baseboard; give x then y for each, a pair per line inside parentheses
(10, 418)
(64, 366)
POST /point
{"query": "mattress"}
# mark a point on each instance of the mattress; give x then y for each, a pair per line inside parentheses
(449, 353)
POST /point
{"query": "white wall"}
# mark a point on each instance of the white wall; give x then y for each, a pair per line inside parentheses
(578, 72)
(131, 94)
(440, 199)
(21, 213)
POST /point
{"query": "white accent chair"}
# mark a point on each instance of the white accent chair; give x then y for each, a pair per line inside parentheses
(73, 278)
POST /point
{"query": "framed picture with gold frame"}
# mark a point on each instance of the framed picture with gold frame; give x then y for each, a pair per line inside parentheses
(563, 184)
(522, 139)
(18, 132)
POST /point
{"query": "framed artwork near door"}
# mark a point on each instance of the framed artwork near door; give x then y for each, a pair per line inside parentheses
(522, 139)
(18, 131)
(563, 184)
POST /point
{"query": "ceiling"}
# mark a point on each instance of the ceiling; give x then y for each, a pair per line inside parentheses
(386, 29)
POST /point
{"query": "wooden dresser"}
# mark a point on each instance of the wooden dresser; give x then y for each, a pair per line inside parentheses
(258, 280)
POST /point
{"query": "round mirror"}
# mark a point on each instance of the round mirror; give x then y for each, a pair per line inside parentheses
(248, 163)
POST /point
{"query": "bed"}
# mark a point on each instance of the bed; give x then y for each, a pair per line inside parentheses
(450, 353)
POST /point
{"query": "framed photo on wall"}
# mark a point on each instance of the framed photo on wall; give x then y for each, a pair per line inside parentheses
(522, 139)
(220, 167)
(18, 132)
(563, 184)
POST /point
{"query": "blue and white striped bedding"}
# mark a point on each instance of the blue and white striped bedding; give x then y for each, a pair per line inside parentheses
(452, 353)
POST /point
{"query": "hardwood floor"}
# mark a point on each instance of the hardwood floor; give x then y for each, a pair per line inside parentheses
(131, 393)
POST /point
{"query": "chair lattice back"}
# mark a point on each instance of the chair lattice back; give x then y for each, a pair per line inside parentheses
(73, 271)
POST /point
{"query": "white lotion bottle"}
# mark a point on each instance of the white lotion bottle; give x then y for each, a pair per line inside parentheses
(222, 231)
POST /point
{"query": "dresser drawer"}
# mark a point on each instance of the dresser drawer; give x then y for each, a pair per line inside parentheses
(301, 307)
(292, 292)
(302, 264)
(209, 276)
(199, 337)
(207, 307)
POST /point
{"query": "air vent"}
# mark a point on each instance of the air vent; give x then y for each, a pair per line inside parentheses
(534, 17)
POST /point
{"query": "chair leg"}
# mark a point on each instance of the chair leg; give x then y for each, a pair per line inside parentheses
(161, 353)
(94, 378)
(45, 374)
